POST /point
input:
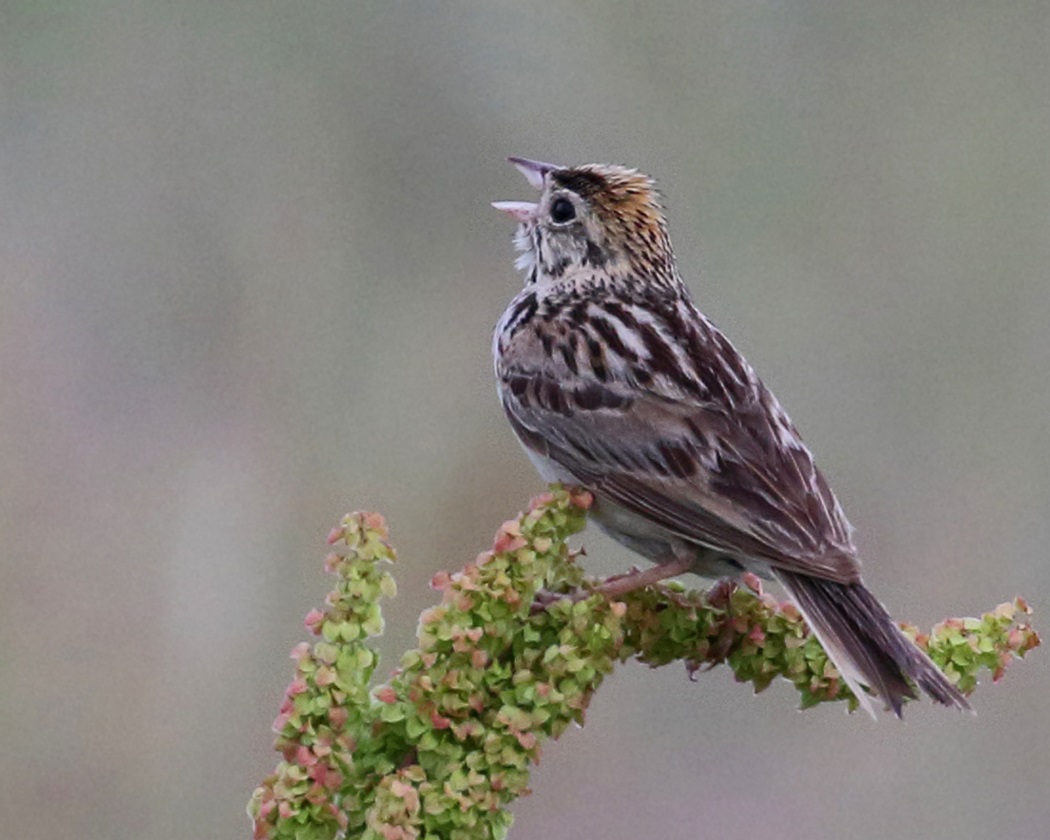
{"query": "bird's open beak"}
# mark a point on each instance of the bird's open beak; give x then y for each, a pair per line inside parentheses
(521, 211)
(535, 172)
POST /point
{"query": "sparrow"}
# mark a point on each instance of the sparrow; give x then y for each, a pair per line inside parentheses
(614, 381)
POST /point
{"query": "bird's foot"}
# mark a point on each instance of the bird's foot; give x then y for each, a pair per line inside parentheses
(721, 594)
(544, 598)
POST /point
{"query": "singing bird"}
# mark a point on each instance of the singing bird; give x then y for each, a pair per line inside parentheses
(613, 380)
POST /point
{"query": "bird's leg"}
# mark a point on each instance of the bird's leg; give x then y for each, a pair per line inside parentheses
(620, 585)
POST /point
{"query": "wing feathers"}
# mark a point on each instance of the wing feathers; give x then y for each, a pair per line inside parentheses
(675, 470)
(650, 405)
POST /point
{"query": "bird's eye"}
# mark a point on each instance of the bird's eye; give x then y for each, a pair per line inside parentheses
(562, 211)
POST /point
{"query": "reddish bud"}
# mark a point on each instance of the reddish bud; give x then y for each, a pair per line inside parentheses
(526, 739)
(583, 499)
(313, 621)
(540, 500)
(298, 686)
(441, 581)
(375, 522)
(508, 542)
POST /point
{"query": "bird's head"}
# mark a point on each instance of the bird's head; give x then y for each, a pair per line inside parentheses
(593, 224)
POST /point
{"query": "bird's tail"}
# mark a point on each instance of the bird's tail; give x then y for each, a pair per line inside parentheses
(866, 645)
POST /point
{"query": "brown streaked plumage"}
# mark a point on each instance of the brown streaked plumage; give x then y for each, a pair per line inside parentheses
(612, 379)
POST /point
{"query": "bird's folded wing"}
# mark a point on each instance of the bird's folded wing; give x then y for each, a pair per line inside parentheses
(725, 478)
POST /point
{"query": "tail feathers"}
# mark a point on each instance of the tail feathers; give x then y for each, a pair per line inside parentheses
(866, 645)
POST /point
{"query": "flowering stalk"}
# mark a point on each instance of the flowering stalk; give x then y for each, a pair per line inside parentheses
(443, 747)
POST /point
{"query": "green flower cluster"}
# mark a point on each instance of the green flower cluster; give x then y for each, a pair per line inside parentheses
(505, 662)
(965, 646)
(327, 709)
(760, 639)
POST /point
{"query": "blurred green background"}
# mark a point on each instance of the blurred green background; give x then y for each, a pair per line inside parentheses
(249, 275)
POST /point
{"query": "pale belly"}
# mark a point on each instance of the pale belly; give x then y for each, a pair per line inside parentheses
(644, 537)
